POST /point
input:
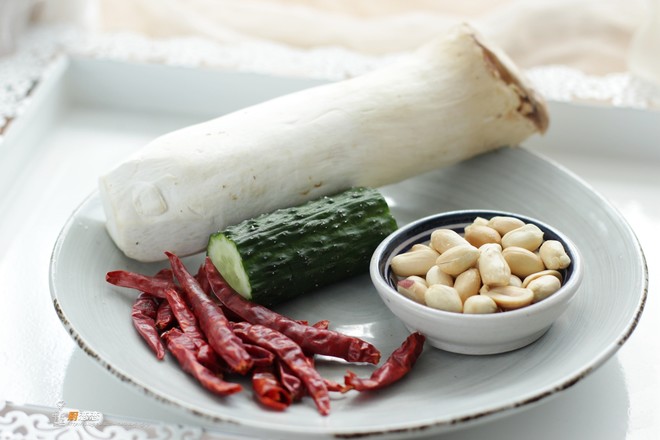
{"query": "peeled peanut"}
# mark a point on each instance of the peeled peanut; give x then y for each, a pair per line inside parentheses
(504, 224)
(420, 247)
(528, 236)
(418, 279)
(437, 276)
(478, 235)
(536, 275)
(443, 297)
(480, 221)
(492, 266)
(543, 287)
(444, 239)
(515, 281)
(414, 262)
(457, 259)
(468, 283)
(510, 297)
(522, 262)
(479, 304)
(413, 287)
(553, 255)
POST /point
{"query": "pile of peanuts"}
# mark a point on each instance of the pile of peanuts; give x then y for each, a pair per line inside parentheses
(498, 264)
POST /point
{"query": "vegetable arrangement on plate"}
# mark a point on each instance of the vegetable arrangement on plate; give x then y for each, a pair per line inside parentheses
(288, 185)
(273, 257)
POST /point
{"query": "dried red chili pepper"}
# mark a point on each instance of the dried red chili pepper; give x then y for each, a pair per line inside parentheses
(335, 386)
(260, 356)
(395, 367)
(330, 384)
(201, 277)
(212, 321)
(153, 285)
(164, 317)
(322, 324)
(207, 357)
(292, 355)
(311, 339)
(189, 325)
(289, 381)
(179, 344)
(143, 313)
(268, 390)
(184, 316)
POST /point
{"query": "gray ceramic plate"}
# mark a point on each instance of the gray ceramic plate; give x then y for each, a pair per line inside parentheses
(444, 391)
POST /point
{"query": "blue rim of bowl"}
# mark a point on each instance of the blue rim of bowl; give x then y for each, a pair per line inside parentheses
(419, 231)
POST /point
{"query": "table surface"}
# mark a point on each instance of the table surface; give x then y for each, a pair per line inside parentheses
(48, 169)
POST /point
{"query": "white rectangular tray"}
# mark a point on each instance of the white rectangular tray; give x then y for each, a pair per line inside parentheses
(89, 114)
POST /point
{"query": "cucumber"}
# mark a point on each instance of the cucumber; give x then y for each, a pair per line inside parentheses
(291, 251)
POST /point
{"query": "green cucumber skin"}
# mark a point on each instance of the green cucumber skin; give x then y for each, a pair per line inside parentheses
(295, 250)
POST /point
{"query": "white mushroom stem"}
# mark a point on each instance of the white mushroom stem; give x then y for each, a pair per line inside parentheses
(451, 100)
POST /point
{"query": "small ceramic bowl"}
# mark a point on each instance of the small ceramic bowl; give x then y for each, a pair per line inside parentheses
(468, 333)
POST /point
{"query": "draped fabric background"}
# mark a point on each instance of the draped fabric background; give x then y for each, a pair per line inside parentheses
(593, 36)
(604, 52)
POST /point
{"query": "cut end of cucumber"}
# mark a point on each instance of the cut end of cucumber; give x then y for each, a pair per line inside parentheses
(225, 257)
